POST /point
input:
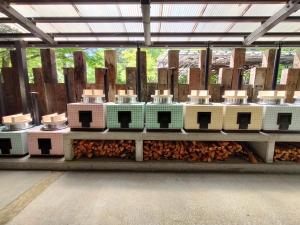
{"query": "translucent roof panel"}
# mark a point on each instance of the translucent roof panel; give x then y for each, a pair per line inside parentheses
(204, 38)
(166, 39)
(175, 27)
(270, 39)
(212, 27)
(231, 39)
(64, 27)
(225, 9)
(76, 39)
(263, 9)
(244, 27)
(286, 27)
(98, 10)
(176, 9)
(46, 10)
(134, 27)
(108, 27)
(12, 28)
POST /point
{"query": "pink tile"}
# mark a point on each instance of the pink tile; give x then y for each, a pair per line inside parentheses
(98, 114)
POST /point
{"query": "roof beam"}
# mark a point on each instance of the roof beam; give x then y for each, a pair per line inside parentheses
(291, 7)
(231, 19)
(140, 34)
(132, 44)
(161, 34)
(145, 6)
(27, 24)
(137, 1)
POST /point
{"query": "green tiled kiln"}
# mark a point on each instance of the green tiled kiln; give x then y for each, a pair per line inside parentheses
(162, 113)
(126, 112)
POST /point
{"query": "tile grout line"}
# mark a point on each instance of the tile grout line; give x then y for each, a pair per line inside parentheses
(16, 206)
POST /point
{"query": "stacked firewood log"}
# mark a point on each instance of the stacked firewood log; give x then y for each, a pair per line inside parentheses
(287, 152)
(196, 151)
(107, 149)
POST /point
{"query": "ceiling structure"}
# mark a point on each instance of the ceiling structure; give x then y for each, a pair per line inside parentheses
(128, 23)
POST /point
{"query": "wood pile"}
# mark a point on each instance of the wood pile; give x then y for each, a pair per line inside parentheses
(196, 151)
(287, 152)
(124, 149)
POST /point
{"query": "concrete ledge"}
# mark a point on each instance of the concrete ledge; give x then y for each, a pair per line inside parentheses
(234, 166)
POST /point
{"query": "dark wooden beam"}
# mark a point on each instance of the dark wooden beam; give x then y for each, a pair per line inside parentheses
(137, 1)
(134, 19)
(19, 64)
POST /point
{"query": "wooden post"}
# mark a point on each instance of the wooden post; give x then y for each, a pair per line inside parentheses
(11, 92)
(2, 102)
(131, 79)
(110, 57)
(225, 78)
(39, 86)
(291, 79)
(194, 79)
(50, 78)
(143, 70)
(162, 78)
(173, 62)
(215, 92)
(99, 78)
(257, 80)
(69, 84)
(183, 91)
(268, 61)
(237, 61)
(202, 59)
(80, 78)
(19, 64)
(296, 63)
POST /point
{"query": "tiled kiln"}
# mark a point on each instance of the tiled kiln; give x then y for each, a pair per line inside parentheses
(13, 135)
(278, 115)
(48, 138)
(126, 112)
(200, 114)
(90, 113)
(163, 113)
(238, 115)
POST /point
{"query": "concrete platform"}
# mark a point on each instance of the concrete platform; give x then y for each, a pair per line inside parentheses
(59, 164)
(106, 198)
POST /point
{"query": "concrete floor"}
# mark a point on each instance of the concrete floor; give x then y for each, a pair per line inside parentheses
(84, 198)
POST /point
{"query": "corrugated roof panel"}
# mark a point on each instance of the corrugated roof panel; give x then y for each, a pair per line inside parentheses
(134, 27)
(292, 39)
(74, 27)
(107, 27)
(76, 39)
(182, 9)
(212, 27)
(98, 10)
(269, 39)
(113, 39)
(244, 27)
(263, 9)
(177, 27)
(155, 9)
(31, 39)
(286, 27)
(130, 9)
(2, 15)
(172, 39)
(136, 39)
(47, 27)
(204, 38)
(154, 27)
(224, 9)
(45, 10)
(231, 39)
(12, 28)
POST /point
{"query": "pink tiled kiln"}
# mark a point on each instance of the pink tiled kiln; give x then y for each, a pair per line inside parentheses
(48, 139)
(88, 114)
